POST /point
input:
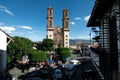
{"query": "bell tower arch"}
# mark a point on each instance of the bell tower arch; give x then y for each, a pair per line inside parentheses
(50, 23)
(65, 26)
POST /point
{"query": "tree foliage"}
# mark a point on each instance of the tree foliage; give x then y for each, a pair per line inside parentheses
(38, 56)
(48, 45)
(63, 52)
(21, 46)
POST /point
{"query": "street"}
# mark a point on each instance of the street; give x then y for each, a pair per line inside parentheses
(85, 64)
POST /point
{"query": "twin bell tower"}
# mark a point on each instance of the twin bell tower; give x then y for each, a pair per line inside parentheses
(60, 35)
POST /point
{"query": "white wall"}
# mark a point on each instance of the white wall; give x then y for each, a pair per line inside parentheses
(50, 33)
(3, 41)
(66, 39)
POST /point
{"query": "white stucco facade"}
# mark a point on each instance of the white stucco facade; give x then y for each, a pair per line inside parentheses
(66, 39)
(50, 35)
(3, 40)
(3, 51)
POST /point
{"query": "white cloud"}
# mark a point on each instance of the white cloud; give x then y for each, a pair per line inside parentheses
(8, 29)
(9, 12)
(87, 18)
(72, 23)
(26, 27)
(6, 10)
(2, 7)
(77, 18)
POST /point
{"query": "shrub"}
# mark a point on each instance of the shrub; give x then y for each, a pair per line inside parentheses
(38, 56)
(63, 52)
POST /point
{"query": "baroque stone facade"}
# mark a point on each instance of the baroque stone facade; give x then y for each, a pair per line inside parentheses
(59, 35)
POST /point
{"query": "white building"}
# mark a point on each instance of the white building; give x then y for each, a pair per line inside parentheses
(5, 39)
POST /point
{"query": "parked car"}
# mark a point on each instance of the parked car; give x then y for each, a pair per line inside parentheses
(84, 60)
(70, 69)
(76, 62)
(58, 74)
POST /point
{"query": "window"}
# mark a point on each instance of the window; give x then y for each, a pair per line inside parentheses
(50, 23)
(66, 24)
(50, 35)
(66, 42)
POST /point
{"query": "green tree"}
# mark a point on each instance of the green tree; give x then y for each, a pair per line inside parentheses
(20, 47)
(64, 52)
(48, 45)
(38, 56)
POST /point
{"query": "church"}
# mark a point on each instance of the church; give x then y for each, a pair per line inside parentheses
(59, 35)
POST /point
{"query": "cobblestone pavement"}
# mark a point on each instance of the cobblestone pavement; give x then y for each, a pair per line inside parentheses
(15, 71)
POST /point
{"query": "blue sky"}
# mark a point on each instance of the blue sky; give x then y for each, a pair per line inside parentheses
(27, 18)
